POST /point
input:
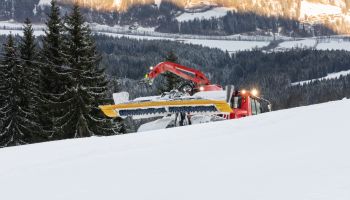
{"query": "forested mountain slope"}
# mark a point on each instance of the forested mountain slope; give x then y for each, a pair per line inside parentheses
(274, 73)
(331, 14)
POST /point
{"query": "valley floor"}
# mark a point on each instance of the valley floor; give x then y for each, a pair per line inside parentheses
(231, 43)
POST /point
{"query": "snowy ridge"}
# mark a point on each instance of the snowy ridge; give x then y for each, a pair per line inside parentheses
(44, 3)
(318, 9)
(291, 154)
(215, 12)
(335, 75)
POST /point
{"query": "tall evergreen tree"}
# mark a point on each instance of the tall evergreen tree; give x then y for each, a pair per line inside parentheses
(87, 86)
(53, 56)
(30, 63)
(29, 59)
(172, 81)
(17, 126)
(52, 76)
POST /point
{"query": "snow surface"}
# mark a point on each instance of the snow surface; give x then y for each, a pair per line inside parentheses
(292, 154)
(158, 2)
(12, 25)
(318, 9)
(213, 95)
(334, 45)
(157, 124)
(117, 3)
(44, 3)
(303, 43)
(225, 45)
(327, 44)
(19, 32)
(328, 77)
(121, 97)
(215, 12)
(230, 46)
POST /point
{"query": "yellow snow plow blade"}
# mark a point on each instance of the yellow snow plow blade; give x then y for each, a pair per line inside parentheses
(166, 107)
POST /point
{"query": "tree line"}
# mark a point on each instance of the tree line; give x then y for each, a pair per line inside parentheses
(238, 22)
(52, 91)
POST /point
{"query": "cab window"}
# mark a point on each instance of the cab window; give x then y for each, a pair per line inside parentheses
(236, 102)
(258, 107)
(253, 106)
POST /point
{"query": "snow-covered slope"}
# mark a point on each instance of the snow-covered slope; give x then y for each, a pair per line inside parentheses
(44, 3)
(301, 153)
(335, 75)
(215, 12)
(232, 43)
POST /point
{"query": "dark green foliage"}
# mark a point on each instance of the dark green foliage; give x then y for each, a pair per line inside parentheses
(132, 58)
(236, 22)
(30, 62)
(52, 73)
(171, 57)
(274, 73)
(64, 87)
(29, 58)
(86, 88)
(17, 113)
(171, 81)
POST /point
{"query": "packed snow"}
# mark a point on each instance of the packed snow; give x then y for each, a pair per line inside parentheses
(335, 75)
(19, 32)
(117, 3)
(225, 45)
(12, 25)
(334, 45)
(303, 43)
(324, 44)
(318, 9)
(292, 154)
(230, 46)
(44, 3)
(215, 12)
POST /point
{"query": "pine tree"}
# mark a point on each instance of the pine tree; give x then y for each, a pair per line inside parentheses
(172, 81)
(87, 86)
(52, 76)
(17, 126)
(29, 61)
(53, 56)
(171, 57)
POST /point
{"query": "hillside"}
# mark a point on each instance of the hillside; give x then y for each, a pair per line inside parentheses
(293, 154)
(333, 14)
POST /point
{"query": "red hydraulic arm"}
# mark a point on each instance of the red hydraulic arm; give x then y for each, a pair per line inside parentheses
(186, 73)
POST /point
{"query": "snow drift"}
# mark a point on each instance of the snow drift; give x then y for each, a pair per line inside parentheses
(301, 153)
